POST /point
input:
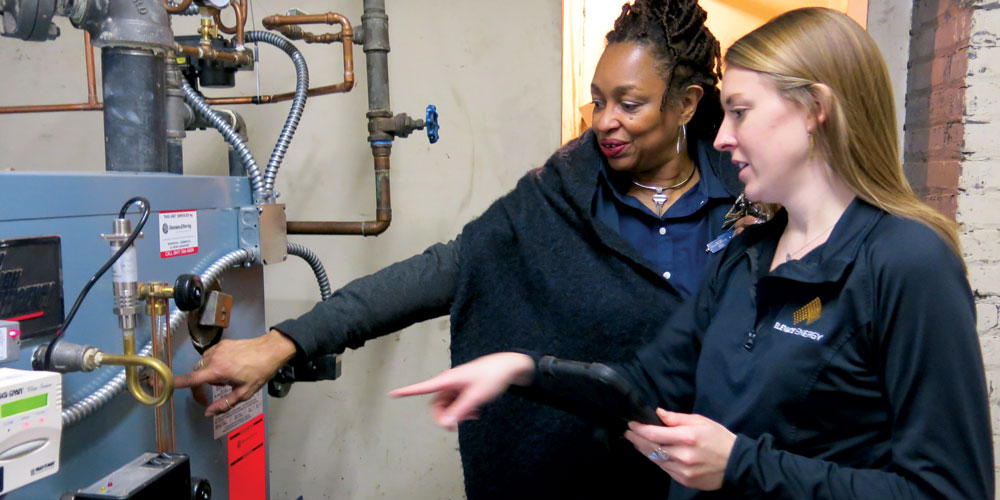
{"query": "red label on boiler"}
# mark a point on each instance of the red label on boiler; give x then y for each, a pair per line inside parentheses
(248, 461)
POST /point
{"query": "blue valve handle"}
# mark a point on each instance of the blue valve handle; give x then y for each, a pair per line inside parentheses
(431, 124)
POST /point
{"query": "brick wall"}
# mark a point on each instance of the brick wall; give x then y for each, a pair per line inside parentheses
(951, 145)
(935, 100)
(979, 186)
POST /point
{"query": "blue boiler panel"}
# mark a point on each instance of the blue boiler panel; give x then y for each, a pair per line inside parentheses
(79, 208)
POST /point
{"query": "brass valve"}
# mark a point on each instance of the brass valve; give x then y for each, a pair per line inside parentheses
(209, 30)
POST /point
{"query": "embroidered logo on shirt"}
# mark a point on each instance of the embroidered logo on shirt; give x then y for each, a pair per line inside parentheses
(801, 332)
(808, 313)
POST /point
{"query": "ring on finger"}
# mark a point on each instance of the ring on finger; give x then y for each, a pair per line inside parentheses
(659, 455)
(226, 399)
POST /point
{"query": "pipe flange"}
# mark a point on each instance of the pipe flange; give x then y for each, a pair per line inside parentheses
(141, 25)
(29, 19)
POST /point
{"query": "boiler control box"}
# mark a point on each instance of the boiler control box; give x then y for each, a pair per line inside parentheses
(30, 426)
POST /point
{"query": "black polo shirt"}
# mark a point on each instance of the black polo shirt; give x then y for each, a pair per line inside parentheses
(854, 372)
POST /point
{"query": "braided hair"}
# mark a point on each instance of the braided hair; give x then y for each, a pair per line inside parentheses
(686, 52)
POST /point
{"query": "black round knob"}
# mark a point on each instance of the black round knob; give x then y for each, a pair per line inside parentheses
(201, 489)
(188, 292)
(281, 384)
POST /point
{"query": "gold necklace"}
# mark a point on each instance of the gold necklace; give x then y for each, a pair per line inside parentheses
(659, 197)
(788, 255)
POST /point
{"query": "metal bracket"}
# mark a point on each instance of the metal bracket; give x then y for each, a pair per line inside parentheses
(217, 310)
(204, 330)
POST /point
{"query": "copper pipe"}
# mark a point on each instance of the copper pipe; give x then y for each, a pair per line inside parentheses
(287, 96)
(243, 8)
(346, 36)
(158, 310)
(297, 33)
(90, 105)
(383, 207)
(277, 22)
(240, 58)
(46, 108)
(241, 21)
(217, 15)
(91, 77)
(239, 100)
(180, 7)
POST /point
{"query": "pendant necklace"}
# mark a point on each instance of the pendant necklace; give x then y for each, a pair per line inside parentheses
(659, 197)
(788, 255)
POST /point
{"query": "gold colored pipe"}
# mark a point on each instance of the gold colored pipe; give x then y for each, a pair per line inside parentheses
(131, 361)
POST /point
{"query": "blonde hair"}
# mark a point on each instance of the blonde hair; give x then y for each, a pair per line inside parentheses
(804, 47)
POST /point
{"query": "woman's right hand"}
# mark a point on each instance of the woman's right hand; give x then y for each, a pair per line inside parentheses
(244, 365)
(461, 390)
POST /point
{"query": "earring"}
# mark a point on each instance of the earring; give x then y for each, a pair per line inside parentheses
(681, 137)
(812, 144)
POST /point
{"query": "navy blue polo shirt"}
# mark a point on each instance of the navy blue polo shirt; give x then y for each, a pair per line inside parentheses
(674, 243)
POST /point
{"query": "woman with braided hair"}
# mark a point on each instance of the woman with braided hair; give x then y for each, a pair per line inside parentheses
(588, 255)
(831, 352)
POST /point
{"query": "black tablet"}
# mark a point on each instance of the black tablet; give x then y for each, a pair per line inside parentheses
(592, 390)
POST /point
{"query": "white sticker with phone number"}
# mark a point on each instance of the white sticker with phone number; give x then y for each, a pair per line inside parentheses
(178, 232)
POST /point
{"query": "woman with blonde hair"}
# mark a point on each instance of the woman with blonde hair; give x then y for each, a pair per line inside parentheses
(830, 352)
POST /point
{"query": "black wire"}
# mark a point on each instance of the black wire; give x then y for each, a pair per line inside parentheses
(144, 206)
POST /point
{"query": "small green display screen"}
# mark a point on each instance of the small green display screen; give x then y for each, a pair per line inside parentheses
(23, 405)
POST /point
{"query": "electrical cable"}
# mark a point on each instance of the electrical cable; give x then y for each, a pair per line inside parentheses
(192, 97)
(144, 206)
(298, 103)
(256, 50)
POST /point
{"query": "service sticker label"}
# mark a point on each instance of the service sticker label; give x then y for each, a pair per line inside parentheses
(178, 232)
(240, 414)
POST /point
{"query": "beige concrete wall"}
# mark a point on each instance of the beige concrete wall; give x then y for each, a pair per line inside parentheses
(495, 78)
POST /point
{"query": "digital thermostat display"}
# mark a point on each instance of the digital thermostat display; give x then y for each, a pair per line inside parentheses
(23, 405)
(30, 426)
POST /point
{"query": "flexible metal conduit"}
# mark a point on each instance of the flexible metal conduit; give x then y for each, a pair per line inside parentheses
(83, 408)
(316, 265)
(232, 137)
(298, 102)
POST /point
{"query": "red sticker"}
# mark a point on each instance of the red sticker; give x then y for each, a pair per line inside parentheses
(248, 461)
